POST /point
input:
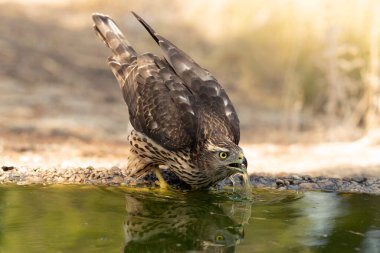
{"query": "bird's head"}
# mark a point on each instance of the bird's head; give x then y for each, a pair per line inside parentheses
(221, 159)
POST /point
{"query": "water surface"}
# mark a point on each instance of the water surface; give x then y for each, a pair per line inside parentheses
(101, 219)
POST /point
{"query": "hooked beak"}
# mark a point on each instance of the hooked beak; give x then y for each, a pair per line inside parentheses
(245, 163)
(241, 165)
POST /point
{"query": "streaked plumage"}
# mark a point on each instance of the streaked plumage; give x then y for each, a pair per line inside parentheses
(156, 224)
(182, 117)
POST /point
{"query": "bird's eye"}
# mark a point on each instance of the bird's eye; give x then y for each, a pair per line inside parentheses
(223, 155)
(219, 238)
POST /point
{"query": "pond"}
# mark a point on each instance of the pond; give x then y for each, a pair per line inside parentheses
(111, 219)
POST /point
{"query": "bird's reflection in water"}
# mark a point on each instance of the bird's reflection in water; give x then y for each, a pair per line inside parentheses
(188, 224)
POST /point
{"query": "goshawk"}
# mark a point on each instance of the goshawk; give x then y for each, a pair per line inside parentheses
(182, 117)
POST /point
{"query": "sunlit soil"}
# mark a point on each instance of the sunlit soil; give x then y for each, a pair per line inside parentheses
(325, 159)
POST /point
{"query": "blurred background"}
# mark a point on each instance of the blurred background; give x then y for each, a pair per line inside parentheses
(297, 71)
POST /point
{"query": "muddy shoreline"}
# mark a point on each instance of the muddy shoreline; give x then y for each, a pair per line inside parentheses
(359, 184)
(116, 176)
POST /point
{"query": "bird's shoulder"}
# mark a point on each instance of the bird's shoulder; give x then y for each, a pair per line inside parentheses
(159, 103)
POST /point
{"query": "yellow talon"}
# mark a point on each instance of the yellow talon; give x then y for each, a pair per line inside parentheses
(161, 180)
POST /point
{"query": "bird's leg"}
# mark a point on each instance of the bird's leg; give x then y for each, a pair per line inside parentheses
(161, 180)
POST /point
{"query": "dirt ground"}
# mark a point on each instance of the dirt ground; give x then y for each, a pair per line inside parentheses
(60, 107)
(63, 150)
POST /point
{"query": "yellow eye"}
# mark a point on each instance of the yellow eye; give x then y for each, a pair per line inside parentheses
(223, 155)
(219, 238)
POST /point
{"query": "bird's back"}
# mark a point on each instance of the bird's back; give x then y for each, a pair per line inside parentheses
(173, 100)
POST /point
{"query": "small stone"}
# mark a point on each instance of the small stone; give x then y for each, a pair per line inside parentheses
(323, 180)
(306, 177)
(370, 181)
(327, 185)
(279, 182)
(8, 168)
(14, 177)
(359, 179)
(263, 181)
(354, 183)
(296, 177)
(296, 182)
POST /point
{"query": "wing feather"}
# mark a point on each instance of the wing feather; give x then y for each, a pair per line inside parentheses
(159, 103)
(166, 98)
(163, 104)
(202, 84)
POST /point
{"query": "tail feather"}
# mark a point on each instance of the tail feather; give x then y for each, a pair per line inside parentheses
(177, 59)
(110, 34)
(147, 27)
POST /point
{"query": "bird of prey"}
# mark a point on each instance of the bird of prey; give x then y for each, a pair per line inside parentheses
(181, 116)
(182, 224)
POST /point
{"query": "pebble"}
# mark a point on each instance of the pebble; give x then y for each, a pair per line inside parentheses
(327, 185)
(116, 176)
(359, 179)
(296, 177)
(279, 182)
(308, 178)
(296, 182)
(7, 168)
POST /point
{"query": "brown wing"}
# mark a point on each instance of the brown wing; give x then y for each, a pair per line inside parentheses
(207, 91)
(159, 103)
